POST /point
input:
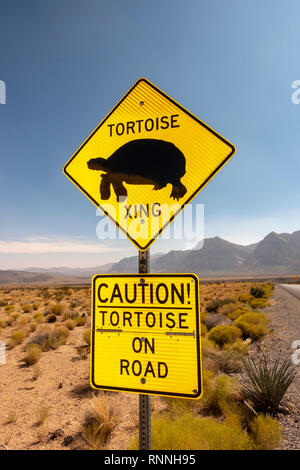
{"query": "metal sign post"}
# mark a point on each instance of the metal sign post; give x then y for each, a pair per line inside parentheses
(144, 400)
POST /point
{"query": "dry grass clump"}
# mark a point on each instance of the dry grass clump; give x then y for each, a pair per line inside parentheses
(218, 395)
(266, 432)
(70, 324)
(36, 372)
(9, 308)
(27, 308)
(39, 317)
(230, 361)
(216, 304)
(42, 414)
(51, 337)
(57, 309)
(33, 354)
(24, 319)
(86, 335)
(17, 338)
(98, 423)
(224, 334)
(253, 325)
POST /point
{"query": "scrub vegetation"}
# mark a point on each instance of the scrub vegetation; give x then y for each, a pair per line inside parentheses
(240, 402)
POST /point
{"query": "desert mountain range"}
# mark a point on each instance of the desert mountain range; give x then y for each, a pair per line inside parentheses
(276, 254)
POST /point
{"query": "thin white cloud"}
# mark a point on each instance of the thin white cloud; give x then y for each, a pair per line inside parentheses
(38, 246)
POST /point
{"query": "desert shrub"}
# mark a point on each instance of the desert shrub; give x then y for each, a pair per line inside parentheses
(239, 346)
(50, 318)
(87, 337)
(70, 324)
(24, 319)
(80, 320)
(234, 314)
(9, 308)
(268, 288)
(99, 422)
(267, 385)
(51, 338)
(215, 304)
(266, 432)
(223, 334)
(39, 317)
(33, 353)
(36, 372)
(35, 306)
(217, 395)
(17, 338)
(33, 326)
(244, 298)
(230, 361)
(2, 303)
(257, 292)
(27, 308)
(253, 325)
(258, 303)
(57, 309)
(227, 308)
(188, 432)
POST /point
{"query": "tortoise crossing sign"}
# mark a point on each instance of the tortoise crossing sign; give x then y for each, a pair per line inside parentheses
(146, 334)
(145, 161)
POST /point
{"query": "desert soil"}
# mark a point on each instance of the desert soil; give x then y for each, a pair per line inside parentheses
(63, 388)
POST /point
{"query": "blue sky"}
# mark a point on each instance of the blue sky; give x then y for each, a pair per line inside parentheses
(67, 62)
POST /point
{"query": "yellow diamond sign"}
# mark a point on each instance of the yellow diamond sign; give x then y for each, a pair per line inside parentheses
(145, 161)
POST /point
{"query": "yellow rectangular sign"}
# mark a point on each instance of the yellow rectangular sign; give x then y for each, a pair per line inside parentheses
(146, 334)
(146, 161)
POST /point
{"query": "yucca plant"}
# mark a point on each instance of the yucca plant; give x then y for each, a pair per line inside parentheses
(267, 384)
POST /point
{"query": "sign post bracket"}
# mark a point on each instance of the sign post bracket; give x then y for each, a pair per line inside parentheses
(144, 400)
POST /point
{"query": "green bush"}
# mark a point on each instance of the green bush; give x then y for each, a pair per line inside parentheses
(233, 315)
(266, 432)
(224, 334)
(258, 303)
(253, 325)
(188, 432)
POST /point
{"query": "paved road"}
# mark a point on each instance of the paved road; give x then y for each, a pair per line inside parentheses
(292, 289)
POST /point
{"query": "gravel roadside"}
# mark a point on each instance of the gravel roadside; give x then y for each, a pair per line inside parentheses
(284, 315)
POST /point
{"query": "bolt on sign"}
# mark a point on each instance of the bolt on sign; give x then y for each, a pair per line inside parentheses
(145, 161)
(146, 334)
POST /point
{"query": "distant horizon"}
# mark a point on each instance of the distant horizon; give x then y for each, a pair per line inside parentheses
(90, 266)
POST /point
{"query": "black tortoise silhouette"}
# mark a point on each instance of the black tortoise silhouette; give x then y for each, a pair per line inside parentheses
(141, 161)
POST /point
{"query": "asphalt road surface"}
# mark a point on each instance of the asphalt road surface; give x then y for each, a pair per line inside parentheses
(292, 289)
